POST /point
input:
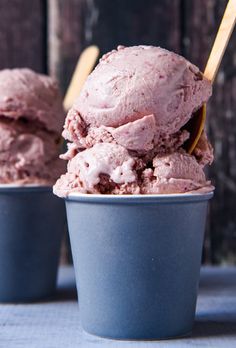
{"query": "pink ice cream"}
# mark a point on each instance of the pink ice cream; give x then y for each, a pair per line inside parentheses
(130, 119)
(31, 119)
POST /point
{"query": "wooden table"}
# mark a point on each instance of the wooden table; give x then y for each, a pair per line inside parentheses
(56, 324)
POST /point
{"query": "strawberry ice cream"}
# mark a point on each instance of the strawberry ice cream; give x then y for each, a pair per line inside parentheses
(31, 119)
(127, 128)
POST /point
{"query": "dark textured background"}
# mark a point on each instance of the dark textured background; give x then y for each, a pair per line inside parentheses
(48, 36)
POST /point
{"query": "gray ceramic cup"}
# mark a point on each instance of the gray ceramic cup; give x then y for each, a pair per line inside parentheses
(32, 221)
(137, 262)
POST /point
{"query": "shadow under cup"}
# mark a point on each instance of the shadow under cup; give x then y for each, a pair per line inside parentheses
(137, 262)
(32, 221)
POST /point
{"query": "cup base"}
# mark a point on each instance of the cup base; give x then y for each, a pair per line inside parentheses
(139, 338)
(49, 296)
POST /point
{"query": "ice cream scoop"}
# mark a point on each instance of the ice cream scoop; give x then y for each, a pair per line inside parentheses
(135, 88)
(197, 122)
(133, 82)
(134, 105)
(31, 97)
(31, 119)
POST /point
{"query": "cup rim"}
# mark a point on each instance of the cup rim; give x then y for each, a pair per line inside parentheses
(139, 198)
(24, 188)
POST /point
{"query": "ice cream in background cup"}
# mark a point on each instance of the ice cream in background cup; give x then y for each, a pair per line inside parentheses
(32, 219)
(136, 200)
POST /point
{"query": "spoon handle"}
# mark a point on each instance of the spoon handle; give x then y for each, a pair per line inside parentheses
(221, 41)
(83, 68)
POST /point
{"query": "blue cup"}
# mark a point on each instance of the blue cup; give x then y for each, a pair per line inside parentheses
(32, 221)
(137, 262)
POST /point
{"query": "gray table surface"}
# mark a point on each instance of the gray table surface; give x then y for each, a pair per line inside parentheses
(56, 324)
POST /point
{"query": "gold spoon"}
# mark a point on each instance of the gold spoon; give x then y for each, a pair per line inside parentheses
(196, 125)
(83, 68)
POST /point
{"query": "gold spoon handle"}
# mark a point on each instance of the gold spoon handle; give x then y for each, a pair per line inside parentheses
(83, 68)
(221, 41)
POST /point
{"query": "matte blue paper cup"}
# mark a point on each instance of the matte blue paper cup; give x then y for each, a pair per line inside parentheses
(32, 221)
(137, 262)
